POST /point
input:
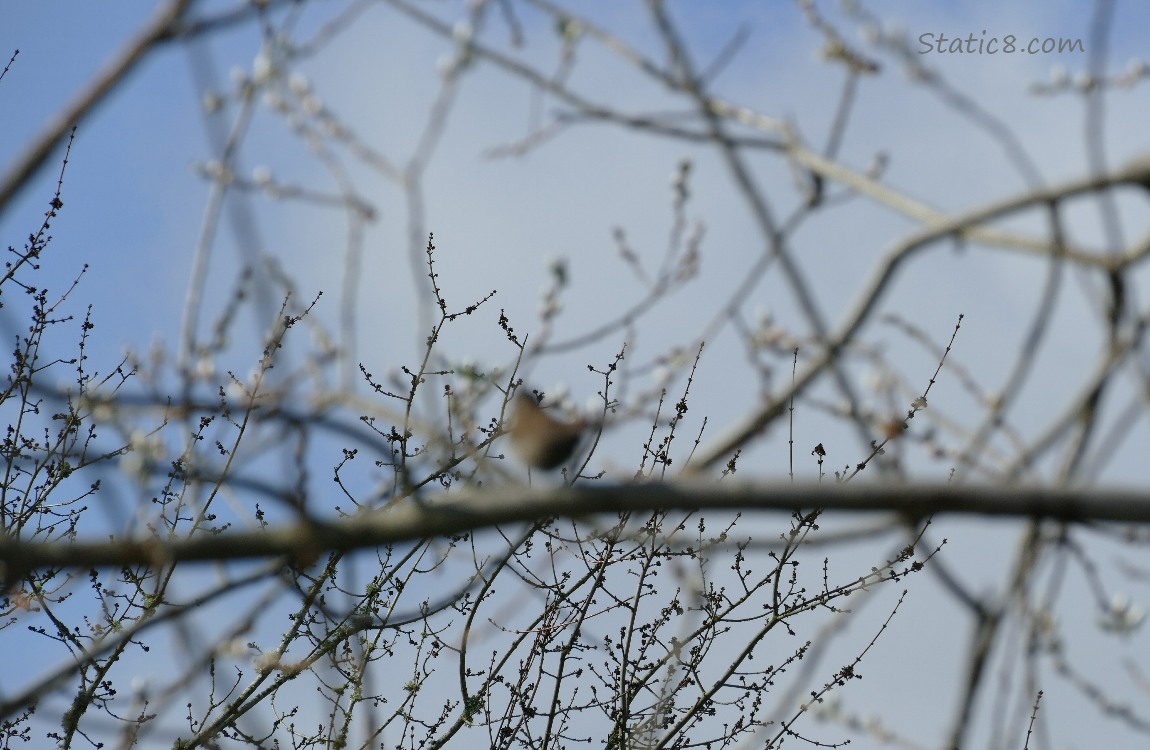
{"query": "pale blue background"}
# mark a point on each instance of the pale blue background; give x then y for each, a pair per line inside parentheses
(133, 208)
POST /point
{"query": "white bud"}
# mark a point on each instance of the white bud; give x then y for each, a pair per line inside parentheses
(212, 102)
(262, 68)
(299, 84)
(312, 104)
(462, 32)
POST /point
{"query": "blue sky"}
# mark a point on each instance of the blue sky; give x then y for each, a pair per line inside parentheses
(134, 204)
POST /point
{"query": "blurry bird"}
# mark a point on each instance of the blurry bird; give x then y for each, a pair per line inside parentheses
(542, 441)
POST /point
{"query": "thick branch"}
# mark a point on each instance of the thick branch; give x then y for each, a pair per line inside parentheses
(474, 510)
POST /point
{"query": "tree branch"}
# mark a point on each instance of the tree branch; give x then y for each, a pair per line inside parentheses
(473, 510)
